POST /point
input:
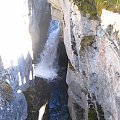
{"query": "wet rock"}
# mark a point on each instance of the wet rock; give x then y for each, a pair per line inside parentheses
(37, 96)
(62, 55)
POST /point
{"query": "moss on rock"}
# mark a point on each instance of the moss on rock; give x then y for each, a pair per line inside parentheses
(6, 91)
(94, 7)
(37, 96)
(87, 7)
(92, 115)
(87, 41)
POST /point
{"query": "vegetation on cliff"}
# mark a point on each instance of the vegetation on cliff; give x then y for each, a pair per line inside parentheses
(6, 91)
(87, 41)
(94, 7)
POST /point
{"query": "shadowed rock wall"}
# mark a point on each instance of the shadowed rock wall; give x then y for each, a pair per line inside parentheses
(40, 16)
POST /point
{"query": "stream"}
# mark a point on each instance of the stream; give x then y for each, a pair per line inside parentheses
(58, 104)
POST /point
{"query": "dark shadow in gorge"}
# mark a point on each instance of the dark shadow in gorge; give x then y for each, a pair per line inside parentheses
(36, 96)
(58, 104)
(55, 92)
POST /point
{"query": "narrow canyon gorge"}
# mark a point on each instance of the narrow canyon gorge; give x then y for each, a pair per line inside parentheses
(60, 60)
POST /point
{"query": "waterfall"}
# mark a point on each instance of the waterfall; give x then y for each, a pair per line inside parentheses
(46, 67)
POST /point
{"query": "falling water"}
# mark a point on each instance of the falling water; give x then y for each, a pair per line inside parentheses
(46, 67)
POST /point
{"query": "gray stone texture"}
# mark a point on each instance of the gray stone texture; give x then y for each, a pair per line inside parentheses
(94, 66)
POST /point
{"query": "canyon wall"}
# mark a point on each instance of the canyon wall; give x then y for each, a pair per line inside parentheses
(91, 38)
(40, 16)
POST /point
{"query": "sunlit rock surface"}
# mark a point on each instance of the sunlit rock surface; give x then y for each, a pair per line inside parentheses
(93, 75)
(56, 10)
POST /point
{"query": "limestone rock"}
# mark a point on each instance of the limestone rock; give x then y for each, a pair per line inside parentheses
(93, 75)
(39, 14)
(56, 10)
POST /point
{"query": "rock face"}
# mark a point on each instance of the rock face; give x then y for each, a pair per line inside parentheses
(56, 10)
(39, 23)
(37, 96)
(13, 105)
(93, 50)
